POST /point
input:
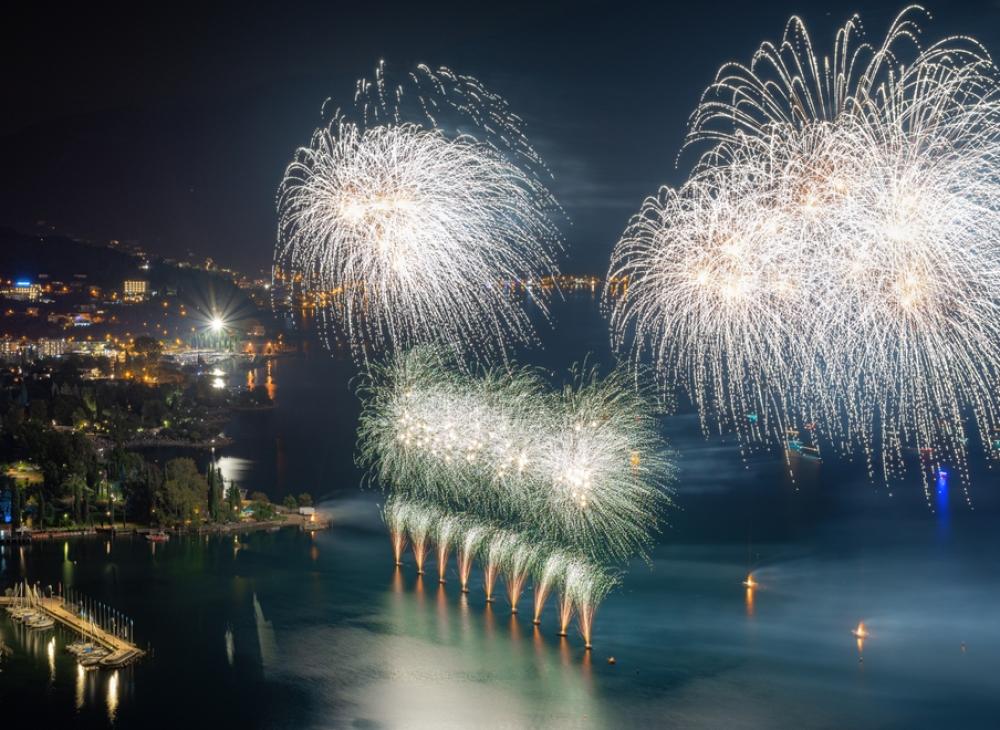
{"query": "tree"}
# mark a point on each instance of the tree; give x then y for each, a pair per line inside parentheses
(38, 410)
(262, 509)
(305, 500)
(234, 501)
(153, 412)
(17, 506)
(137, 481)
(216, 488)
(41, 508)
(148, 349)
(75, 486)
(290, 502)
(185, 491)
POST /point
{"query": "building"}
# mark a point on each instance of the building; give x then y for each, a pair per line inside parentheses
(22, 290)
(97, 348)
(135, 290)
(10, 349)
(46, 347)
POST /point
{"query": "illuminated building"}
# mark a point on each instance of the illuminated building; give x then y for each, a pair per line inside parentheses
(22, 290)
(135, 290)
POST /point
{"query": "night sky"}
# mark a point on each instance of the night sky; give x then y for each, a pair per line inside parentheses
(171, 127)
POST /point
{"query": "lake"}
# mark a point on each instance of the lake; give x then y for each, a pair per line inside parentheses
(288, 629)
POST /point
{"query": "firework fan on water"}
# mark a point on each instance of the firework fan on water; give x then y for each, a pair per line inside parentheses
(835, 257)
(414, 214)
(516, 557)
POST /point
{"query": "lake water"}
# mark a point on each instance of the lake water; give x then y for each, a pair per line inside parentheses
(292, 630)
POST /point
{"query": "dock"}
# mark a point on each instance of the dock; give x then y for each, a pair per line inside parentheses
(122, 652)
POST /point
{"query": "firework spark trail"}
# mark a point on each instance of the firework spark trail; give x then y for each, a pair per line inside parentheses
(517, 565)
(473, 537)
(446, 532)
(588, 587)
(394, 515)
(420, 521)
(494, 554)
(416, 229)
(835, 256)
(549, 574)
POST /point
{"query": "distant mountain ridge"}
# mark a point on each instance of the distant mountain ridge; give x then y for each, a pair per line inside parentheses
(25, 256)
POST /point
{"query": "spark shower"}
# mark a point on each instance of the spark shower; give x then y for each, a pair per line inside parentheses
(561, 487)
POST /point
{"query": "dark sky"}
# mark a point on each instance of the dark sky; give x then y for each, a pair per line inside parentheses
(172, 126)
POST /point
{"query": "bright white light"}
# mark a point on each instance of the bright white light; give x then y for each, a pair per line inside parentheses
(217, 324)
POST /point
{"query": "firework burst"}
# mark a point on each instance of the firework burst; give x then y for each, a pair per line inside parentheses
(583, 467)
(416, 231)
(555, 485)
(834, 259)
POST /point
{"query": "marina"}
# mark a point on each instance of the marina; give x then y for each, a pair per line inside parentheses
(97, 647)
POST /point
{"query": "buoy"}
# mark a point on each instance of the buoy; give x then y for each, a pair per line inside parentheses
(611, 660)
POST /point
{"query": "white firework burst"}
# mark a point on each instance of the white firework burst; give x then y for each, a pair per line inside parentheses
(835, 257)
(412, 231)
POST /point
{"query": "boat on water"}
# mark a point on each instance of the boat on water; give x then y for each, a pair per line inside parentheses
(91, 661)
(795, 444)
(80, 646)
(158, 536)
(40, 621)
(25, 606)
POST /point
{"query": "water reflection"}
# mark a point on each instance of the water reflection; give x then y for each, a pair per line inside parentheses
(942, 505)
(860, 634)
(265, 636)
(50, 651)
(112, 696)
(363, 644)
(230, 646)
(234, 469)
(81, 679)
(469, 666)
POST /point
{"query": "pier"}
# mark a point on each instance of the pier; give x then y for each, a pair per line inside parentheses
(122, 652)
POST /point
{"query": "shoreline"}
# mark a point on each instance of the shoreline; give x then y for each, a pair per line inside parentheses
(216, 442)
(303, 522)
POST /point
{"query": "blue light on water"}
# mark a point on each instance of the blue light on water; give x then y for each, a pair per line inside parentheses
(942, 498)
(22, 282)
